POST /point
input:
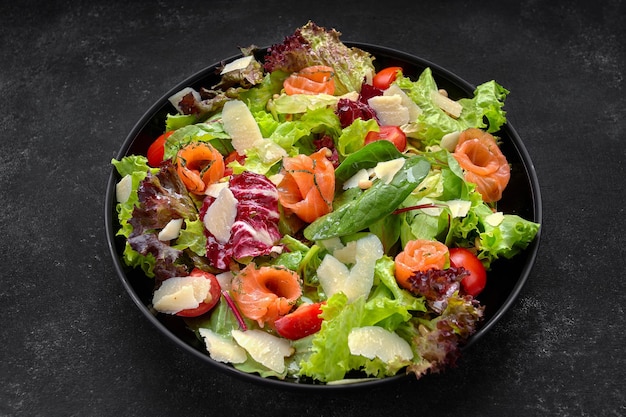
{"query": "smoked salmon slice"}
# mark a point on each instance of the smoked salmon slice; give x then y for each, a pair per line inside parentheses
(198, 165)
(264, 294)
(483, 162)
(316, 79)
(308, 185)
(419, 255)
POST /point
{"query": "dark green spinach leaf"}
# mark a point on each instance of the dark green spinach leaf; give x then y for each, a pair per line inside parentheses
(371, 205)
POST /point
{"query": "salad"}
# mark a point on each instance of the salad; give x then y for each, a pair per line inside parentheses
(315, 218)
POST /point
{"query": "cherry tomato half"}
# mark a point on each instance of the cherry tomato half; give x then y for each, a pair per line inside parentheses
(156, 151)
(393, 134)
(385, 77)
(215, 293)
(475, 282)
(300, 323)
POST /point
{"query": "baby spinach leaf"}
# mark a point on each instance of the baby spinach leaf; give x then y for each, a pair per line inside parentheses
(372, 205)
(364, 158)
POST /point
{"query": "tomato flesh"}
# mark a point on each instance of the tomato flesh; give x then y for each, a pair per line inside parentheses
(156, 151)
(392, 134)
(301, 323)
(474, 283)
(205, 306)
(385, 77)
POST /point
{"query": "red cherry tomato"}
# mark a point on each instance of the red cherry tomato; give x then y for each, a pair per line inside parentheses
(302, 322)
(157, 150)
(205, 306)
(385, 77)
(393, 134)
(475, 282)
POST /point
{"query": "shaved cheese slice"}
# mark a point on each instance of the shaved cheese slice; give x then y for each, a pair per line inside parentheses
(176, 98)
(181, 293)
(267, 349)
(495, 219)
(123, 189)
(412, 107)
(241, 126)
(387, 169)
(459, 208)
(335, 276)
(222, 349)
(237, 64)
(331, 244)
(389, 110)
(214, 189)
(453, 108)
(355, 180)
(220, 216)
(449, 140)
(225, 280)
(376, 342)
(171, 230)
(347, 254)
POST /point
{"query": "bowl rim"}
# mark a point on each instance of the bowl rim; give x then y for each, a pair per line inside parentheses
(376, 50)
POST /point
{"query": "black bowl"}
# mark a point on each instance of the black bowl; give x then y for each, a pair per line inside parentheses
(506, 279)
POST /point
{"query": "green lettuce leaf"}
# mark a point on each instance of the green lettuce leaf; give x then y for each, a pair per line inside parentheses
(353, 136)
(507, 239)
(257, 98)
(192, 237)
(176, 121)
(301, 103)
(292, 136)
(211, 131)
(445, 184)
(388, 306)
(433, 123)
(319, 121)
(137, 167)
(331, 359)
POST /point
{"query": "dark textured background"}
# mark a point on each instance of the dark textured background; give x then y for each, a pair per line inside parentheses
(76, 76)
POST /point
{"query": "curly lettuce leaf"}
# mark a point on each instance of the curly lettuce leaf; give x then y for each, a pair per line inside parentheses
(137, 167)
(331, 359)
(286, 138)
(315, 45)
(437, 341)
(388, 306)
(506, 239)
(353, 137)
(444, 189)
(211, 131)
(257, 98)
(433, 123)
(162, 197)
(192, 237)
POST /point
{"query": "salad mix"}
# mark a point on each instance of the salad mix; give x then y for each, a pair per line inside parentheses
(315, 218)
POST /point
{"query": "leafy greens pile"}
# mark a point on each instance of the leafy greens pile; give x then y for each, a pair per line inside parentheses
(427, 198)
